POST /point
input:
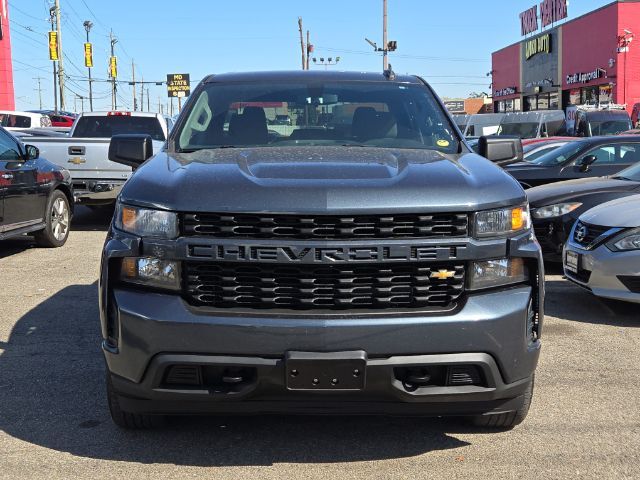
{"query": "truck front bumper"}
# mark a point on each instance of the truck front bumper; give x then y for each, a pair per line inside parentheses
(157, 332)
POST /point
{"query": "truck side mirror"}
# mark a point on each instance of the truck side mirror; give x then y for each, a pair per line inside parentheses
(130, 149)
(501, 150)
(586, 162)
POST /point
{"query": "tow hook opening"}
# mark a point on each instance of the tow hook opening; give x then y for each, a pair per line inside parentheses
(219, 379)
(416, 377)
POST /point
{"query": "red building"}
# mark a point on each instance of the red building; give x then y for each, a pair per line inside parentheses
(7, 101)
(587, 60)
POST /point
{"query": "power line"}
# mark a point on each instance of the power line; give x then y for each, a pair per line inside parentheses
(25, 13)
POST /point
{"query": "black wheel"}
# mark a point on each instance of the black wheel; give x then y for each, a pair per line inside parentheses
(57, 219)
(128, 420)
(508, 420)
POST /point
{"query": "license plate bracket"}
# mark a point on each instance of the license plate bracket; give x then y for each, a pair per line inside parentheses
(572, 261)
(334, 371)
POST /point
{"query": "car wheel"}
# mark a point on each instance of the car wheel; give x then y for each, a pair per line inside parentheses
(507, 420)
(128, 420)
(57, 220)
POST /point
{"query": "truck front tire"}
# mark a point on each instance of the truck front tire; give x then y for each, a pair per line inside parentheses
(508, 420)
(128, 420)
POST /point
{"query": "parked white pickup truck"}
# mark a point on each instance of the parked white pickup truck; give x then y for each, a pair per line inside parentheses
(85, 153)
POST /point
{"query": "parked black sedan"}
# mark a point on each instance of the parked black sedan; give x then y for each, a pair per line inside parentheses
(35, 195)
(557, 206)
(589, 157)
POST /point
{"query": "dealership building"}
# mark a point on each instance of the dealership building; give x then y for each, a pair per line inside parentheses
(591, 59)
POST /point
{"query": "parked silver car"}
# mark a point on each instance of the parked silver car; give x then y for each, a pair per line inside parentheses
(603, 251)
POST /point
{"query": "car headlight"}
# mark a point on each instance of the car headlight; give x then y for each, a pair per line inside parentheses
(146, 222)
(493, 223)
(150, 271)
(555, 210)
(629, 240)
(496, 273)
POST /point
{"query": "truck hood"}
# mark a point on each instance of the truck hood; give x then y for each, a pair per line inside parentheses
(621, 212)
(559, 191)
(320, 180)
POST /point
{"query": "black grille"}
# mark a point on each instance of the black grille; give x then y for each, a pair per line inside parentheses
(333, 287)
(592, 233)
(441, 225)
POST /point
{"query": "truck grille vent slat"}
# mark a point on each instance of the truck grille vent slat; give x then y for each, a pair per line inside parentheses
(335, 287)
(441, 225)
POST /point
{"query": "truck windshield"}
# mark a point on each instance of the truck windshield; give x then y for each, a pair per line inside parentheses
(368, 114)
(110, 125)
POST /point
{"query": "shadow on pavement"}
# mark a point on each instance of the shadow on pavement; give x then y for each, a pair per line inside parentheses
(52, 395)
(569, 302)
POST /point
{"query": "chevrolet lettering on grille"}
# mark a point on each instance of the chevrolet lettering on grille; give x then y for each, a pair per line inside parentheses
(317, 254)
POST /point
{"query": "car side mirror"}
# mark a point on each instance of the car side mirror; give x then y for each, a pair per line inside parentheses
(33, 153)
(130, 149)
(502, 150)
(586, 162)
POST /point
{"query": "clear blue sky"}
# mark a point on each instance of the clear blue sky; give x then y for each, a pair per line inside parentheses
(447, 42)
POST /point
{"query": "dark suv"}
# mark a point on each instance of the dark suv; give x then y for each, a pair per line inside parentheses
(376, 265)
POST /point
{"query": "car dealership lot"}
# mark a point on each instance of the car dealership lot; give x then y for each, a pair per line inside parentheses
(54, 423)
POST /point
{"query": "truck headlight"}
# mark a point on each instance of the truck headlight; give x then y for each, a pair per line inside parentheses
(629, 240)
(493, 223)
(150, 271)
(495, 273)
(146, 222)
(556, 210)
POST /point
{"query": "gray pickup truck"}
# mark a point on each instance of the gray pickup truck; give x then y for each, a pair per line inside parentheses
(369, 266)
(96, 180)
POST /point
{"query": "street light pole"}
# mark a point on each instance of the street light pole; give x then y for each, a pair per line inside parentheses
(87, 26)
(385, 50)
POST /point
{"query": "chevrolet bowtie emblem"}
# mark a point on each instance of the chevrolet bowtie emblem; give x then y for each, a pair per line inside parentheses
(443, 274)
(77, 160)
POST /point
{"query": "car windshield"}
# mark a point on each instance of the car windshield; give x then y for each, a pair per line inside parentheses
(559, 155)
(110, 125)
(609, 127)
(368, 114)
(632, 173)
(520, 129)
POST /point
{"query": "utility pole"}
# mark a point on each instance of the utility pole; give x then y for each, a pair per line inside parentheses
(114, 103)
(52, 13)
(39, 91)
(301, 42)
(133, 82)
(60, 63)
(388, 46)
(385, 51)
(148, 101)
(142, 95)
(87, 26)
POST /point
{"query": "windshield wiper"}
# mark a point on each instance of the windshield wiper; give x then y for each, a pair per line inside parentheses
(619, 177)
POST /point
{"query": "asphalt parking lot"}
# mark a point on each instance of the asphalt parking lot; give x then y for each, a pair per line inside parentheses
(584, 421)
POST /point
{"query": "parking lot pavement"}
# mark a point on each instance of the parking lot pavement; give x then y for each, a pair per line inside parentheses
(584, 421)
